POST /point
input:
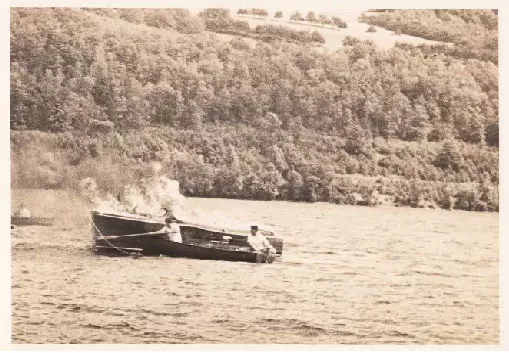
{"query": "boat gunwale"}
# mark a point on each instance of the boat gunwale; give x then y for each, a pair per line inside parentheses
(131, 218)
(131, 235)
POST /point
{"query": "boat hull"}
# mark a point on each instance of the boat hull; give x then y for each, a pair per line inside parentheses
(111, 224)
(157, 244)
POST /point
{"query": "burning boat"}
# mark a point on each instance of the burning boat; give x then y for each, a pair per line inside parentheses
(129, 233)
(129, 224)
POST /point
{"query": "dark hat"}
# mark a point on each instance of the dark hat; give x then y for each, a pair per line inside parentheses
(254, 227)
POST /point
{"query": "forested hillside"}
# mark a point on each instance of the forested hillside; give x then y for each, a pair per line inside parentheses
(102, 93)
(474, 33)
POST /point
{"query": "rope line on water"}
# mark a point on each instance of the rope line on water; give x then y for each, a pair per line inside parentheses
(107, 241)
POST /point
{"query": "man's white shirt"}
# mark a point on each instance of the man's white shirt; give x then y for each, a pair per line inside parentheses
(258, 242)
(173, 231)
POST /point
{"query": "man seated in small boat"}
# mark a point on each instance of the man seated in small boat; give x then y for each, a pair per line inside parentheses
(23, 212)
(258, 242)
(173, 230)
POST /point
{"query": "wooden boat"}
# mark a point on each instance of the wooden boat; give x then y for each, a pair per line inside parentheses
(158, 243)
(108, 224)
(31, 221)
(124, 224)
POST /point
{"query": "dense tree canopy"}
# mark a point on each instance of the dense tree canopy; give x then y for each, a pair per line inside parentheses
(275, 120)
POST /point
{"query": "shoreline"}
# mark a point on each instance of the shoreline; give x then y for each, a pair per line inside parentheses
(77, 194)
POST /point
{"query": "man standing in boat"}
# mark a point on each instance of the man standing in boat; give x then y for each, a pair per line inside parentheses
(259, 242)
(173, 230)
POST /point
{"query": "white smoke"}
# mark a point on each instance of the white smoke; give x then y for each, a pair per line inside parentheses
(152, 197)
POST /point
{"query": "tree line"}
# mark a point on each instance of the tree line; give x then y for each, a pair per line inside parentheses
(219, 20)
(474, 33)
(254, 12)
(297, 16)
(321, 19)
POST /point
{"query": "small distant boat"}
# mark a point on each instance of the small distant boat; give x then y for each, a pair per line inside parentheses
(157, 244)
(109, 224)
(31, 221)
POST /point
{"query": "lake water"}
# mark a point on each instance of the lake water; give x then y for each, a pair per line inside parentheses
(348, 275)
